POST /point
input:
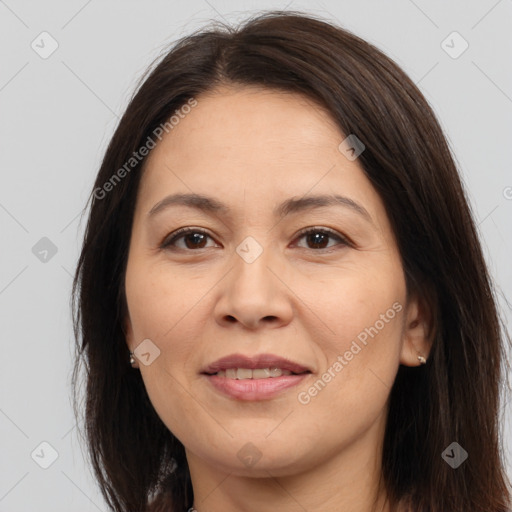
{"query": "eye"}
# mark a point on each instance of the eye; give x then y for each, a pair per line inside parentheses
(195, 238)
(317, 236)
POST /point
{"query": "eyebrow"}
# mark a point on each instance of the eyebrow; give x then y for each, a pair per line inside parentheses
(291, 205)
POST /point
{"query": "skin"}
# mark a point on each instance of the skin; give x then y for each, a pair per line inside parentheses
(252, 149)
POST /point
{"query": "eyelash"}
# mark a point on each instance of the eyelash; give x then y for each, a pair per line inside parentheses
(180, 233)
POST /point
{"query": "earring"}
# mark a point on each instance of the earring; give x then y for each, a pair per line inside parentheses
(422, 360)
(132, 359)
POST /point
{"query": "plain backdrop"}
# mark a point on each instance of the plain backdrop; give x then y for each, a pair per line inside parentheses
(58, 112)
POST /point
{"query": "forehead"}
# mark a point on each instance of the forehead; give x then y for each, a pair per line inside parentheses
(245, 133)
(238, 120)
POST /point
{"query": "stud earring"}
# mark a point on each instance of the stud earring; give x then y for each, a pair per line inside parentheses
(132, 359)
(422, 360)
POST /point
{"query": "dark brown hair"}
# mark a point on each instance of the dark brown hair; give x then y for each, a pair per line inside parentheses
(454, 397)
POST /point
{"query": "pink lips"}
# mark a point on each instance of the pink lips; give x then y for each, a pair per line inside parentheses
(255, 389)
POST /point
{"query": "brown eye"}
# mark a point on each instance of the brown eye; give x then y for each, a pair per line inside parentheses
(194, 238)
(319, 237)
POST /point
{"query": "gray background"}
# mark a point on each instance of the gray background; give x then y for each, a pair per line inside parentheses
(57, 115)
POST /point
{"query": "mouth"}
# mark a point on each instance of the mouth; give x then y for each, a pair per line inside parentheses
(259, 366)
(254, 378)
(257, 373)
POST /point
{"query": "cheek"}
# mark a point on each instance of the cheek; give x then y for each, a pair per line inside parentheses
(160, 310)
(357, 304)
(156, 298)
(360, 341)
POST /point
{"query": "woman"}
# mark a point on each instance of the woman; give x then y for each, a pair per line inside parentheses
(281, 298)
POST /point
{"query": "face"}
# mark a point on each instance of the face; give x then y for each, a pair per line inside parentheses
(320, 286)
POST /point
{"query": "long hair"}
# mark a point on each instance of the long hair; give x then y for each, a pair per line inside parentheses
(455, 397)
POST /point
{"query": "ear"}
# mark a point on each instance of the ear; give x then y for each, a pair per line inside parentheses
(417, 331)
(128, 334)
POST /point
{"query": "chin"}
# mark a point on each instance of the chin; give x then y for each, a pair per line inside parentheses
(246, 457)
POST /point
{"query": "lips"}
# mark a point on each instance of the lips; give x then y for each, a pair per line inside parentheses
(259, 361)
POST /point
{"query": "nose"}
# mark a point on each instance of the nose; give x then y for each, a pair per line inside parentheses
(255, 294)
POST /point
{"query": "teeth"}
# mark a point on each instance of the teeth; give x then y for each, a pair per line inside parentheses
(243, 373)
(261, 373)
(275, 372)
(246, 373)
